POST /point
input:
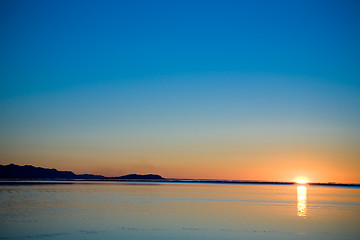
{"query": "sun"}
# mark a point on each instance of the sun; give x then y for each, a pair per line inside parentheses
(301, 180)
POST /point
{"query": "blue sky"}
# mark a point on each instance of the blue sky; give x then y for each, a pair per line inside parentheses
(60, 44)
(143, 75)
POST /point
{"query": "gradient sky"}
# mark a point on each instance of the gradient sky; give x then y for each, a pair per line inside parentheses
(253, 90)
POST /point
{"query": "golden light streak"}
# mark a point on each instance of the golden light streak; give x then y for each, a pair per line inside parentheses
(301, 201)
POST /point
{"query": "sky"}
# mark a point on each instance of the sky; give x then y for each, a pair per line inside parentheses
(240, 90)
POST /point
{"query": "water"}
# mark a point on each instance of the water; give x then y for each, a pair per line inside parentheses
(120, 210)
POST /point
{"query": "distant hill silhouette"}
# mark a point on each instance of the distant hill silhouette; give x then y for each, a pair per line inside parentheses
(137, 176)
(13, 171)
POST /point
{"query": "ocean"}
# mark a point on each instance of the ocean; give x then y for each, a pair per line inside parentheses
(148, 210)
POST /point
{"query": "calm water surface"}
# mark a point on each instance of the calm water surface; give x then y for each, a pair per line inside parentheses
(109, 210)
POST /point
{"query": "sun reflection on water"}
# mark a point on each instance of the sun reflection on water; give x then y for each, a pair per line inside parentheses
(301, 201)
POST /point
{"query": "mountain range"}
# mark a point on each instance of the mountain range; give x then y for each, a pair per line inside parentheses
(13, 171)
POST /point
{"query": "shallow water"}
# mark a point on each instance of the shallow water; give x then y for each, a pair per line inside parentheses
(128, 210)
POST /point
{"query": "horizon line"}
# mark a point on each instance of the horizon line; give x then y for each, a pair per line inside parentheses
(184, 180)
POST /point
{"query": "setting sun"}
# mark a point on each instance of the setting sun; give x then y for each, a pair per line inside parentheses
(301, 180)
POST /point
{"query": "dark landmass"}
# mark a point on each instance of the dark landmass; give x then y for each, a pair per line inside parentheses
(137, 176)
(28, 171)
(13, 171)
